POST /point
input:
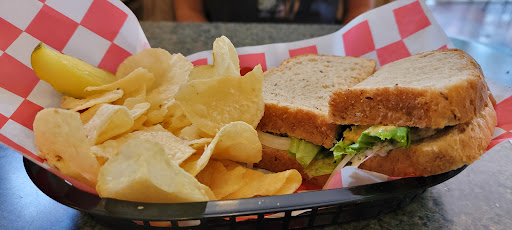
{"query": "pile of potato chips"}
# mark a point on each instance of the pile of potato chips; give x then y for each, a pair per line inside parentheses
(165, 131)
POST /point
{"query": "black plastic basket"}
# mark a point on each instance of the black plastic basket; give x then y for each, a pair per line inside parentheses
(293, 211)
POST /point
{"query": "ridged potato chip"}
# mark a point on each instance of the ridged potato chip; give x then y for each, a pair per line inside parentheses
(109, 121)
(199, 144)
(155, 60)
(142, 173)
(190, 132)
(195, 163)
(81, 104)
(225, 57)
(239, 142)
(158, 115)
(138, 124)
(256, 183)
(220, 180)
(212, 103)
(176, 119)
(139, 109)
(163, 94)
(60, 138)
(177, 150)
(132, 82)
(105, 151)
(87, 115)
(227, 145)
(202, 72)
(170, 71)
(133, 98)
(225, 62)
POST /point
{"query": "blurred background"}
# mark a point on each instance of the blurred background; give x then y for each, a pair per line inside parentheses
(487, 22)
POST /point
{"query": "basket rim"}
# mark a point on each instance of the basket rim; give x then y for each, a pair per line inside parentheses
(64, 193)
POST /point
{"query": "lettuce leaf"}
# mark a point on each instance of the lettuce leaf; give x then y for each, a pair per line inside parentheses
(372, 136)
(303, 151)
(321, 165)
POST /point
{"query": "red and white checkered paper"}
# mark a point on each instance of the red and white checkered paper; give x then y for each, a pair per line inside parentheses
(105, 32)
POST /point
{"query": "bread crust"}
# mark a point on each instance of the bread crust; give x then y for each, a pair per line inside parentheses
(299, 123)
(276, 160)
(447, 150)
(412, 106)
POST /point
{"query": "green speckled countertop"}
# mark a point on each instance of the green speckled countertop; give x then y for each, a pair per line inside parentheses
(188, 38)
(480, 197)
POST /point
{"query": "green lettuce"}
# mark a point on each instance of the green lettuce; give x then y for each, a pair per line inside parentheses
(370, 137)
(323, 164)
(303, 151)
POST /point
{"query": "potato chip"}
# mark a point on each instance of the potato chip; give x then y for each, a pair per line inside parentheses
(164, 93)
(256, 183)
(225, 62)
(139, 109)
(238, 142)
(133, 98)
(80, 104)
(199, 144)
(109, 121)
(87, 115)
(170, 71)
(60, 138)
(138, 124)
(158, 115)
(154, 128)
(132, 82)
(177, 150)
(225, 148)
(221, 181)
(178, 120)
(225, 57)
(142, 173)
(190, 132)
(195, 163)
(202, 72)
(212, 103)
(155, 60)
(105, 151)
(171, 109)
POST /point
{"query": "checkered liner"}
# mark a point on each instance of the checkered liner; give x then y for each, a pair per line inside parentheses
(105, 32)
(100, 32)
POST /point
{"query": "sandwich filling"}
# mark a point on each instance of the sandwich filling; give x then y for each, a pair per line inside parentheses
(356, 144)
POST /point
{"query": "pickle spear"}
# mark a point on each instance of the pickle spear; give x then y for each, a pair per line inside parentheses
(67, 75)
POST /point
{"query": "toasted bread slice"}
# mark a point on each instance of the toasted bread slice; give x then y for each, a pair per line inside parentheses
(449, 149)
(433, 89)
(297, 93)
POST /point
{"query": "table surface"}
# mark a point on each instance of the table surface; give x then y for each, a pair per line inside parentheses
(478, 198)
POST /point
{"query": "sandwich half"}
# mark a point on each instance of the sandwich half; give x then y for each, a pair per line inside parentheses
(296, 131)
(422, 115)
(418, 116)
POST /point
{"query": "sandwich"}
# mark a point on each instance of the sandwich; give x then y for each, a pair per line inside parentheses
(422, 115)
(418, 116)
(296, 126)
